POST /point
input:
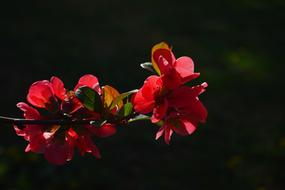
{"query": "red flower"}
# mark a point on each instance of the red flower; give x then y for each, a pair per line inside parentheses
(186, 111)
(59, 149)
(177, 107)
(31, 133)
(41, 95)
(174, 72)
(151, 98)
(106, 130)
(90, 81)
(185, 100)
(54, 141)
(174, 107)
(181, 124)
(86, 134)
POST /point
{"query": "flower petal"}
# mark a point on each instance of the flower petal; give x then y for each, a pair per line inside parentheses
(71, 104)
(185, 68)
(189, 125)
(105, 130)
(161, 49)
(167, 134)
(185, 127)
(37, 144)
(171, 80)
(85, 144)
(144, 99)
(57, 154)
(90, 81)
(185, 95)
(72, 134)
(197, 110)
(159, 132)
(41, 95)
(164, 65)
(159, 111)
(29, 112)
(58, 87)
(151, 87)
(141, 104)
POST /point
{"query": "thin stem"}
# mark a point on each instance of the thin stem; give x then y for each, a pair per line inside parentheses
(18, 121)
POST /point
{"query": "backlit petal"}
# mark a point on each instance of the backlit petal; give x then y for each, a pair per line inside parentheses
(90, 81)
(167, 134)
(41, 95)
(105, 130)
(159, 132)
(159, 111)
(144, 99)
(58, 87)
(161, 49)
(29, 112)
(57, 154)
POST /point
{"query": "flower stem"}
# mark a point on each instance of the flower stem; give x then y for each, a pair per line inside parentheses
(20, 121)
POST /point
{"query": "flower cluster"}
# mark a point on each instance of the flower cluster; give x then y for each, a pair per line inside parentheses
(57, 141)
(69, 119)
(173, 105)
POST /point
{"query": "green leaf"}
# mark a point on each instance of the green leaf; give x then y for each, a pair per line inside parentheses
(121, 97)
(139, 117)
(126, 110)
(89, 98)
(148, 66)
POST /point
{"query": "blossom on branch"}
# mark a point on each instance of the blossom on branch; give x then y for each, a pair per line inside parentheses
(176, 106)
(57, 120)
(57, 142)
(174, 72)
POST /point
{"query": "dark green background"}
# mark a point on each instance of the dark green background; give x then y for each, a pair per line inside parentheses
(238, 46)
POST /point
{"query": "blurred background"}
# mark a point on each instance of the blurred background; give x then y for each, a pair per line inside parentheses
(238, 46)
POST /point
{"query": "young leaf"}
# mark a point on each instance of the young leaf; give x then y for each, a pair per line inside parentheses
(89, 98)
(126, 110)
(121, 97)
(109, 94)
(159, 49)
(148, 66)
(139, 117)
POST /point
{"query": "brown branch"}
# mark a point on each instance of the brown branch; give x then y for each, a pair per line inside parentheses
(17, 121)
(22, 121)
